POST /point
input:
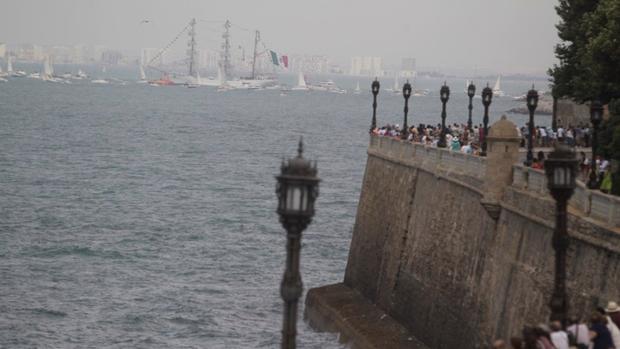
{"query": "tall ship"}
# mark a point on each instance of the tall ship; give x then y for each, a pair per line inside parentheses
(226, 76)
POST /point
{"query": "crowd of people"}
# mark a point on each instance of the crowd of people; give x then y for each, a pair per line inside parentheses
(461, 135)
(600, 331)
(460, 138)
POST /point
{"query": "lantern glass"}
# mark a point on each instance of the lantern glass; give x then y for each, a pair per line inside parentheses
(375, 87)
(296, 198)
(597, 115)
(407, 90)
(560, 177)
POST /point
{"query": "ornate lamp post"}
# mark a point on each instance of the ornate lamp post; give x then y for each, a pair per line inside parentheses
(297, 189)
(561, 171)
(487, 95)
(596, 116)
(375, 91)
(406, 95)
(532, 102)
(471, 92)
(444, 94)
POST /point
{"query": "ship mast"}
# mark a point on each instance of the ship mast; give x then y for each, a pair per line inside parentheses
(225, 55)
(191, 51)
(256, 40)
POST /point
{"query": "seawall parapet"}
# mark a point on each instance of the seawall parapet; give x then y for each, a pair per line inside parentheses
(457, 248)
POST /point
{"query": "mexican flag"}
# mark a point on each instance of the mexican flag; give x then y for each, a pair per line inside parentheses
(279, 60)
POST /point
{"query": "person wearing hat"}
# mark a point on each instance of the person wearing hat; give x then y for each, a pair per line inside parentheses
(613, 310)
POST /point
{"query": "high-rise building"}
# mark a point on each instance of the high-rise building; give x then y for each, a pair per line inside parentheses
(314, 64)
(407, 67)
(111, 57)
(367, 66)
(149, 56)
(207, 59)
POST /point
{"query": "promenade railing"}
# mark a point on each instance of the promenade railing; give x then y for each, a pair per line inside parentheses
(592, 203)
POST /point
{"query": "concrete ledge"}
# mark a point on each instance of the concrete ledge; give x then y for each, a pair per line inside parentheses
(338, 308)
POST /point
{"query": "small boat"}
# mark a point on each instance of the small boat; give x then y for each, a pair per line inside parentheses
(497, 89)
(80, 75)
(164, 81)
(48, 71)
(100, 81)
(143, 79)
(301, 83)
(3, 80)
(11, 72)
(396, 88)
(357, 90)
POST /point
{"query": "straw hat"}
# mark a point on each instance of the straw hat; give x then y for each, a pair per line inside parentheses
(612, 307)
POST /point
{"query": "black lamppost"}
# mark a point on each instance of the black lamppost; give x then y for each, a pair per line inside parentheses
(375, 91)
(596, 116)
(297, 189)
(471, 91)
(561, 171)
(444, 95)
(406, 95)
(487, 95)
(532, 102)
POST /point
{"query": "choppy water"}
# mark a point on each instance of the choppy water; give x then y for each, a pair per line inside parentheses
(134, 216)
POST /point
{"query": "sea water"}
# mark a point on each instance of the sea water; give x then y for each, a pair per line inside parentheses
(144, 217)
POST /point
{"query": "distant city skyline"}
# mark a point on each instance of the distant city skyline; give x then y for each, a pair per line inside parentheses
(476, 36)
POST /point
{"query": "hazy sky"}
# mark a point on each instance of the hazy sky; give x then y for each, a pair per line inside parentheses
(499, 36)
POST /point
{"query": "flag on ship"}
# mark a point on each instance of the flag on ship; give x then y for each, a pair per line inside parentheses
(279, 60)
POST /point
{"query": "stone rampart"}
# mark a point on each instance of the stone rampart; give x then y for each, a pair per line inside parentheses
(457, 266)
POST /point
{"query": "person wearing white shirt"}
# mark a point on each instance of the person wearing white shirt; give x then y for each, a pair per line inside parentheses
(559, 338)
(580, 332)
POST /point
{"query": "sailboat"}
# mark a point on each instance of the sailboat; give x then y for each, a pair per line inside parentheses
(10, 71)
(301, 83)
(143, 79)
(396, 88)
(48, 71)
(497, 89)
(80, 75)
(357, 90)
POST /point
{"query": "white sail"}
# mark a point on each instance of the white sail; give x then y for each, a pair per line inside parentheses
(9, 65)
(142, 73)
(357, 88)
(497, 86)
(301, 81)
(396, 87)
(220, 75)
(198, 80)
(47, 68)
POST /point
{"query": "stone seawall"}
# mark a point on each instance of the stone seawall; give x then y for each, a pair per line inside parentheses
(457, 266)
